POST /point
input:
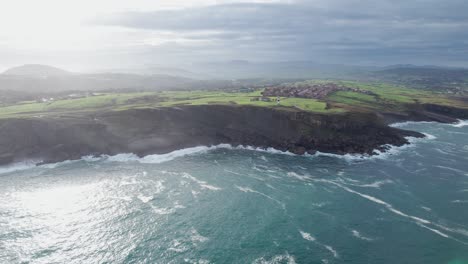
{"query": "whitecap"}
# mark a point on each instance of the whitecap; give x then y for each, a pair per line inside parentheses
(249, 190)
(360, 236)
(299, 177)
(145, 199)
(461, 123)
(426, 208)
(163, 210)
(203, 184)
(123, 157)
(420, 221)
(195, 193)
(332, 250)
(307, 236)
(278, 259)
(177, 246)
(429, 136)
(451, 169)
(460, 201)
(195, 237)
(376, 184)
(20, 166)
(177, 205)
(196, 261)
(406, 123)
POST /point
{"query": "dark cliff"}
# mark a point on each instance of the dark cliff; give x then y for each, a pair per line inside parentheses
(151, 131)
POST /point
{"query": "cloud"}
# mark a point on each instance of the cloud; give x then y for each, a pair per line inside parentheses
(349, 31)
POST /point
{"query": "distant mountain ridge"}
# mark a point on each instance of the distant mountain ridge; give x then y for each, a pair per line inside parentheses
(36, 70)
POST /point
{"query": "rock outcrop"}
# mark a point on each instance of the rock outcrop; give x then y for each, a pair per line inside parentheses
(162, 130)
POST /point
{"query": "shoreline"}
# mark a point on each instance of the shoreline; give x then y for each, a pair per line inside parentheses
(198, 150)
(149, 132)
(393, 150)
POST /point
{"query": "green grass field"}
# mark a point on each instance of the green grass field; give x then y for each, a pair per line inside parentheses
(383, 97)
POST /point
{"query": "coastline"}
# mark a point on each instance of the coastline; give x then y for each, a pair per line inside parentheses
(139, 132)
(160, 158)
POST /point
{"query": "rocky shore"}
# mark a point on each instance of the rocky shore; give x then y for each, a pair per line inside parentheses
(162, 130)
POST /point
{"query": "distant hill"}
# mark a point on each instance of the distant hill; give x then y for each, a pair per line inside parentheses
(36, 70)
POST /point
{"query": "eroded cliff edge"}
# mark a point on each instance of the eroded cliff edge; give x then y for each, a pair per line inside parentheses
(162, 130)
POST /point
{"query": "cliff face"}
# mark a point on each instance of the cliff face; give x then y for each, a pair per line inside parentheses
(151, 131)
(428, 112)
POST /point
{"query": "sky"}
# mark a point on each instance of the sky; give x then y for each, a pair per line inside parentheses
(88, 35)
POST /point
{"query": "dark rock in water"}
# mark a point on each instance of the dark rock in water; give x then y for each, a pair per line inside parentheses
(162, 130)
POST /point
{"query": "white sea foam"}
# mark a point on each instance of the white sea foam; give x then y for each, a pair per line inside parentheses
(420, 221)
(145, 199)
(461, 123)
(128, 181)
(403, 124)
(278, 259)
(332, 250)
(203, 184)
(160, 158)
(196, 261)
(297, 176)
(429, 136)
(376, 184)
(460, 201)
(434, 230)
(196, 237)
(360, 236)
(20, 166)
(452, 169)
(307, 236)
(249, 190)
(177, 246)
(163, 210)
(426, 208)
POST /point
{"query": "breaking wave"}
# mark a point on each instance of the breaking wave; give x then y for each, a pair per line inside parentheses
(20, 166)
(461, 123)
(160, 158)
(286, 258)
(309, 237)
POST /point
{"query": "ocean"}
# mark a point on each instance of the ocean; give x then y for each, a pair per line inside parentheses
(227, 204)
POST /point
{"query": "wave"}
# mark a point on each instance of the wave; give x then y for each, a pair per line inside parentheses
(309, 237)
(419, 221)
(145, 199)
(276, 259)
(376, 184)
(249, 190)
(461, 123)
(299, 177)
(407, 123)
(20, 166)
(202, 184)
(357, 234)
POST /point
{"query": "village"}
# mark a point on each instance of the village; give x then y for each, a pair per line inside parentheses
(305, 90)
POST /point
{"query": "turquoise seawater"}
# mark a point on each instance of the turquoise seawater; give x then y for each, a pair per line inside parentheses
(225, 205)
